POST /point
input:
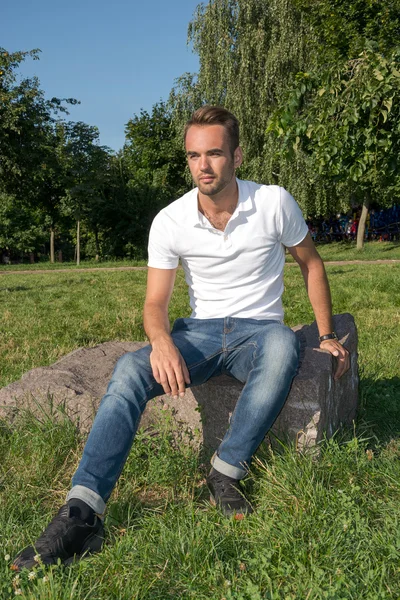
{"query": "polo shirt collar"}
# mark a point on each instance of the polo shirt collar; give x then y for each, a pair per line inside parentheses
(194, 215)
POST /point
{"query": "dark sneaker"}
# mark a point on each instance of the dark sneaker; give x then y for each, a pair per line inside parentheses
(225, 493)
(67, 538)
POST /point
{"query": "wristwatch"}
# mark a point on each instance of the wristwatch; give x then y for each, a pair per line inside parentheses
(328, 336)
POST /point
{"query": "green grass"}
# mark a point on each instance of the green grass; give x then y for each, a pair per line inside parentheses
(324, 529)
(348, 251)
(85, 264)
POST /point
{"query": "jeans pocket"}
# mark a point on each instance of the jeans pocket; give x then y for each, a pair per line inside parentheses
(178, 325)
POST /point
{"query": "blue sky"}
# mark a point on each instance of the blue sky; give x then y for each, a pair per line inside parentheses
(115, 57)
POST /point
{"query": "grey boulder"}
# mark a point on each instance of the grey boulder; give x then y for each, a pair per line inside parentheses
(317, 404)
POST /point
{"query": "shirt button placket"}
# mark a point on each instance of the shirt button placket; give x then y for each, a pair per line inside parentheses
(227, 240)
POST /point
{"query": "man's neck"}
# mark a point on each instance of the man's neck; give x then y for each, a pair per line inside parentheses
(225, 201)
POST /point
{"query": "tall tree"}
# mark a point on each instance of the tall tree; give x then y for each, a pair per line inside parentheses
(249, 53)
(25, 119)
(344, 114)
(86, 167)
(152, 153)
(147, 175)
(21, 226)
(50, 181)
(31, 141)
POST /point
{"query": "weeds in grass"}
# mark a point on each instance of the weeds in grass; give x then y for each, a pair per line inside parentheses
(324, 528)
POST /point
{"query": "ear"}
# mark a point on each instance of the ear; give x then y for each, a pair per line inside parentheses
(238, 157)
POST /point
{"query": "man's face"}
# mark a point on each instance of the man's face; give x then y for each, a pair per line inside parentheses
(210, 158)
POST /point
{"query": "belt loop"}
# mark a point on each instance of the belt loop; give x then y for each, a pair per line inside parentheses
(228, 324)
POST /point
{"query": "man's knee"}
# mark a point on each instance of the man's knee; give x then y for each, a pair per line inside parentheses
(131, 365)
(288, 345)
(132, 378)
(282, 345)
(289, 340)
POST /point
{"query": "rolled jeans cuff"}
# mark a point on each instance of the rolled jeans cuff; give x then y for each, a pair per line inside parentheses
(89, 496)
(227, 469)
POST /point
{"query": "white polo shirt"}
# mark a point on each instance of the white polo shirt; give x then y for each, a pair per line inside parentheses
(237, 272)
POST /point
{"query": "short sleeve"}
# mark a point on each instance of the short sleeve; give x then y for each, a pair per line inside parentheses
(293, 228)
(162, 254)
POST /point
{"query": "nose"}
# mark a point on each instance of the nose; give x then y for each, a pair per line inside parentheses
(204, 162)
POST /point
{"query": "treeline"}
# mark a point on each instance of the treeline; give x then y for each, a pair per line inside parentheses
(61, 191)
(315, 84)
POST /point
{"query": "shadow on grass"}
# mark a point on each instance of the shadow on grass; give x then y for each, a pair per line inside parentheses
(16, 288)
(23, 288)
(395, 245)
(340, 271)
(380, 407)
(129, 512)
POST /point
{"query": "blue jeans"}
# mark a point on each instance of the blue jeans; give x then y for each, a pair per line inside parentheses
(263, 354)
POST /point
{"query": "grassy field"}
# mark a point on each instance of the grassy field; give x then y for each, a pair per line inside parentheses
(324, 529)
(85, 264)
(348, 251)
(332, 251)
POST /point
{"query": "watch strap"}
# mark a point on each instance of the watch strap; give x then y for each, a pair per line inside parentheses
(328, 336)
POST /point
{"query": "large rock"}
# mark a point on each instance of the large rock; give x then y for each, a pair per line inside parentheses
(317, 405)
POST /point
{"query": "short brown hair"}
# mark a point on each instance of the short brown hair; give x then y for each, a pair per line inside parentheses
(216, 115)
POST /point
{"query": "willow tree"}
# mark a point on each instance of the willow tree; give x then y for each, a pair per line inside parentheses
(250, 52)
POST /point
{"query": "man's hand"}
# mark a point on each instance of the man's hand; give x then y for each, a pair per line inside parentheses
(169, 368)
(343, 356)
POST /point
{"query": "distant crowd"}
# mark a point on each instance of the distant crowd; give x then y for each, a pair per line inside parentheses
(382, 225)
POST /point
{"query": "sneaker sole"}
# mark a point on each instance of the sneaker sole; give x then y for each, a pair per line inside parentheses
(230, 513)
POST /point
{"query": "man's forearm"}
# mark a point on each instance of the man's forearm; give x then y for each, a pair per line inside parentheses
(156, 322)
(169, 368)
(317, 285)
(319, 294)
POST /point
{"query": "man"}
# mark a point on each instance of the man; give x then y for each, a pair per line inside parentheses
(230, 236)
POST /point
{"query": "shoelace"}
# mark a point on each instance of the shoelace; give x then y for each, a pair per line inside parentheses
(227, 485)
(56, 526)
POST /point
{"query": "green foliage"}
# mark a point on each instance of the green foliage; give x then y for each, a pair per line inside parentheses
(21, 226)
(348, 121)
(268, 63)
(86, 165)
(342, 116)
(26, 121)
(125, 211)
(313, 83)
(146, 176)
(342, 27)
(32, 169)
(153, 155)
(57, 173)
(249, 52)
